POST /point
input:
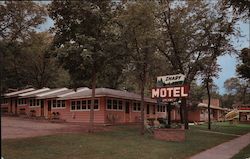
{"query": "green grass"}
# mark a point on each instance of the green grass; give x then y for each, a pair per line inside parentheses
(245, 153)
(226, 127)
(123, 143)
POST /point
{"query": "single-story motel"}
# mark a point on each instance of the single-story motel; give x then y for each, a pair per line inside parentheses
(111, 106)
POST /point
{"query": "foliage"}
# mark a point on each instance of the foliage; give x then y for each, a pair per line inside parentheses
(244, 67)
(240, 7)
(138, 31)
(239, 89)
(18, 21)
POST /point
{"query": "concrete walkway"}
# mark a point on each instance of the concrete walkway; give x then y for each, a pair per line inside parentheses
(225, 150)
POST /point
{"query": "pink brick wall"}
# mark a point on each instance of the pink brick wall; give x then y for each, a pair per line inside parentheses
(170, 134)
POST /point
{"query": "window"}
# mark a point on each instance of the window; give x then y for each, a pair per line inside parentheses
(161, 108)
(54, 104)
(137, 106)
(4, 101)
(114, 104)
(35, 102)
(153, 109)
(22, 101)
(78, 105)
(96, 104)
(58, 104)
(148, 109)
(73, 105)
(84, 105)
(120, 105)
(109, 104)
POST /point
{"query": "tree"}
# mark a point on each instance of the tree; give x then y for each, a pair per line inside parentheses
(210, 70)
(239, 89)
(244, 67)
(84, 36)
(18, 20)
(193, 31)
(137, 23)
(240, 7)
(42, 70)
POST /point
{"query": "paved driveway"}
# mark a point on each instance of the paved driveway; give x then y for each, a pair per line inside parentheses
(15, 127)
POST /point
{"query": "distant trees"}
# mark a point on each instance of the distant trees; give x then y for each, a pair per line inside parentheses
(239, 89)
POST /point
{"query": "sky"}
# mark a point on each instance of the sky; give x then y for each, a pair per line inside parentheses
(227, 63)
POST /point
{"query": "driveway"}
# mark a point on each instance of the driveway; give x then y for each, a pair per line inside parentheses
(16, 127)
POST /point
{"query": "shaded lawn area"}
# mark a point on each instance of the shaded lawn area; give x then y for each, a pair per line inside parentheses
(245, 153)
(124, 142)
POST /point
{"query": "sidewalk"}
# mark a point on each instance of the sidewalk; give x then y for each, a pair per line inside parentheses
(225, 150)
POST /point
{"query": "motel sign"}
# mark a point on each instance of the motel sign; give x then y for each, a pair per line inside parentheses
(170, 92)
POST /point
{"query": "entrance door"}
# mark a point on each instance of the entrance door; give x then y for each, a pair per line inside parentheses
(42, 107)
(49, 108)
(127, 111)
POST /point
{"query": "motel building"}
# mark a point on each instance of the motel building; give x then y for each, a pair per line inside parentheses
(111, 106)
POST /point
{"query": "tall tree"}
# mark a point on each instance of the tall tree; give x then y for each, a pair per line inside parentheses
(191, 32)
(18, 20)
(209, 71)
(137, 23)
(83, 39)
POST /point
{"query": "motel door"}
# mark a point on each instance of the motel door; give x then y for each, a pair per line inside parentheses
(127, 111)
(42, 107)
(49, 108)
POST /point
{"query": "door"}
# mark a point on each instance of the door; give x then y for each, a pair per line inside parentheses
(127, 111)
(49, 108)
(42, 107)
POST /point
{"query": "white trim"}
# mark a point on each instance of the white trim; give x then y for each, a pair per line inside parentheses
(34, 92)
(83, 110)
(52, 92)
(18, 92)
(73, 92)
(58, 107)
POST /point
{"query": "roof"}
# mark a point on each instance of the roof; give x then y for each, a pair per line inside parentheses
(204, 105)
(53, 94)
(101, 92)
(33, 93)
(16, 93)
(73, 92)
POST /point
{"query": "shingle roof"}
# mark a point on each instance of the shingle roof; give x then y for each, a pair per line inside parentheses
(34, 93)
(16, 93)
(99, 92)
(54, 95)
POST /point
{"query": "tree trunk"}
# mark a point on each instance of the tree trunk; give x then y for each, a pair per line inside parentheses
(185, 113)
(142, 107)
(91, 115)
(208, 105)
(169, 114)
(181, 115)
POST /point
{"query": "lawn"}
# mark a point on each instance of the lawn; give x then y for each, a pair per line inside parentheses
(243, 154)
(123, 142)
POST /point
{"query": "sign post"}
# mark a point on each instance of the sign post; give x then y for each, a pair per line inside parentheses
(170, 88)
